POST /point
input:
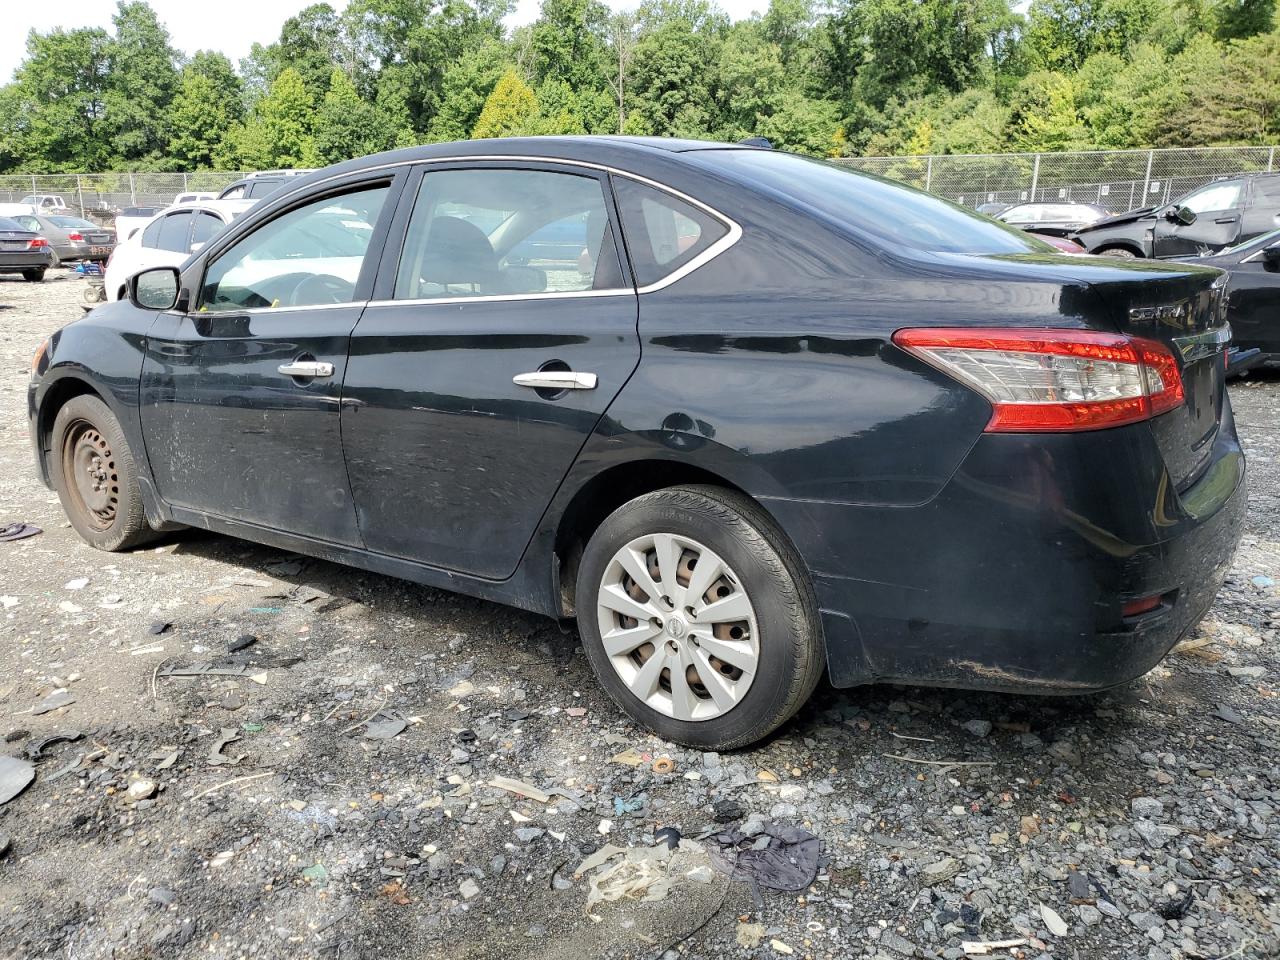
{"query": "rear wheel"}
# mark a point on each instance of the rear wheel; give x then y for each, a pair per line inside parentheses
(697, 617)
(34, 276)
(95, 476)
(1120, 253)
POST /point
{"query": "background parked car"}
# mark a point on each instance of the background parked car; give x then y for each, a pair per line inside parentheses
(992, 209)
(168, 239)
(1058, 218)
(258, 185)
(1253, 292)
(1204, 221)
(23, 251)
(133, 218)
(193, 197)
(71, 238)
(49, 202)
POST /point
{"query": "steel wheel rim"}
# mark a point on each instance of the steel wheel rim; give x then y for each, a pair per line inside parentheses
(678, 627)
(90, 466)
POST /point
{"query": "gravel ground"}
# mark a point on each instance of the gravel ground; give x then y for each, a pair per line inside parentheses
(1141, 823)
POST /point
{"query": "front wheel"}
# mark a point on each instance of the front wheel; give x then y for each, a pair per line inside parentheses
(95, 476)
(1120, 253)
(34, 276)
(697, 617)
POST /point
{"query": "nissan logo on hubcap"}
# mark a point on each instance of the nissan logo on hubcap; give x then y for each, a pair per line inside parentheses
(675, 627)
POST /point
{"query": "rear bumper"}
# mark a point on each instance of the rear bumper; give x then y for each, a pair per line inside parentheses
(12, 261)
(1014, 576)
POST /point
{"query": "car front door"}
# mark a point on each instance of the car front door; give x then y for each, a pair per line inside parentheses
(1218, 209)
(502, 327)
(1254, 292)
(241, 393)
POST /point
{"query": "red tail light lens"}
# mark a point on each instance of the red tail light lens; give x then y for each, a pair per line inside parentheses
(1054, 380)
(37, 243)
(75, 236)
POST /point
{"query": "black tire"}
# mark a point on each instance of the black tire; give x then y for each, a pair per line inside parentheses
(1120, 253)
(88, 448)
(790, 639)
(34, 276)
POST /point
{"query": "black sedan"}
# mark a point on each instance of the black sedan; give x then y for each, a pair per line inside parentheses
(1058, 218)
(774, 418)
(1253, 293)
(23, 251)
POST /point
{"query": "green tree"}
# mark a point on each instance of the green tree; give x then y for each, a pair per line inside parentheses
(568, 43)
(279, 133)
(671, 83)
(200, 123)
(348, 126)
(511, 110)
(59, 104)
(465, 86)
(141, 83)
(1239, 19)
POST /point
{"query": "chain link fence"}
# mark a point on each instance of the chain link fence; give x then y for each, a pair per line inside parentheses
(100, 196)
(1118, 180)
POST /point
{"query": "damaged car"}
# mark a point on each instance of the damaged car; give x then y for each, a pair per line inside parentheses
(745, 417)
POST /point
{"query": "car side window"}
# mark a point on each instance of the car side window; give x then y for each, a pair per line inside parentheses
(172, 233)
(499, 232)
(235, 193)
(1266, 192)
(1217, 196)
(663, 232)
(204, 226)
(308, 256)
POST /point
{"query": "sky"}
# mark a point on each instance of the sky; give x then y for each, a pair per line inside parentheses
(230, 26)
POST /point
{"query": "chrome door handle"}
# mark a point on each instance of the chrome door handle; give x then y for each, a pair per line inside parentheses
(555, 380)
(306, 368)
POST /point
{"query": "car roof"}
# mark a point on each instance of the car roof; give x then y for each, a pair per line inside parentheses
(226, 209)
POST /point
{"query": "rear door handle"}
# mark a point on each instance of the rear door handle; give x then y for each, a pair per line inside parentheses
(1226, 220)
(306, 368)
(555, 380)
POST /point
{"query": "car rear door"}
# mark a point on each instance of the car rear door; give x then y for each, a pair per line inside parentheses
(1218, 208)
(503, 325)
(240, 396)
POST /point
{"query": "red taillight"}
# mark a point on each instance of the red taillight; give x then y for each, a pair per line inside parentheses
(1136, 608)
(75, 236)
(1051, 379)
(37, 243)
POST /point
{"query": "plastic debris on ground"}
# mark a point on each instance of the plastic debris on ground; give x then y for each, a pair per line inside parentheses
(216, 756)
(642, 873)
(777, 858)
(36, 748)
(18, 531)
(384, 725)
(15, 776)
(54, 701)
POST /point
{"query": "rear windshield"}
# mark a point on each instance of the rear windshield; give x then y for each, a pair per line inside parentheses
(890, 213)
(74, 222)
(139, 211)
(7, 224)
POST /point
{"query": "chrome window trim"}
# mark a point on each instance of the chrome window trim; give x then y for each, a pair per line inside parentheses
(290, 308)
(486, 297)
(720, 246)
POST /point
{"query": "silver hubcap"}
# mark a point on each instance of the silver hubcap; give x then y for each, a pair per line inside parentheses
(678, 627)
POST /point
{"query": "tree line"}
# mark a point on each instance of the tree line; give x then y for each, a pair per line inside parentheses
(848, 77)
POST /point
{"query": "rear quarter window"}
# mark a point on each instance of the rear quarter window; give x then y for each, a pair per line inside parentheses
(663, 232)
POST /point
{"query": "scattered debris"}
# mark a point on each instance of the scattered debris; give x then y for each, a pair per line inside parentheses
(232, 700)
(79, 583)
(208, 670)
(469, 889)
(15, 776)
(663, 765)
(156, 629)
(316, 873)
(1227, 713)
(18, 531)
(243, 642)
(630, 758)
(520, 787)
(787, 860)
(981, 948)
(780, 947)
(216, 756)
(142, 789)
(940, 872)
(668, 835)
(54, 701)
(1052, 922)
(36, 748)
(384, 725)
(727, 810)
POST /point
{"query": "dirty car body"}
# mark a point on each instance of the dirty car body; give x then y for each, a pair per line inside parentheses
(805, 351)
